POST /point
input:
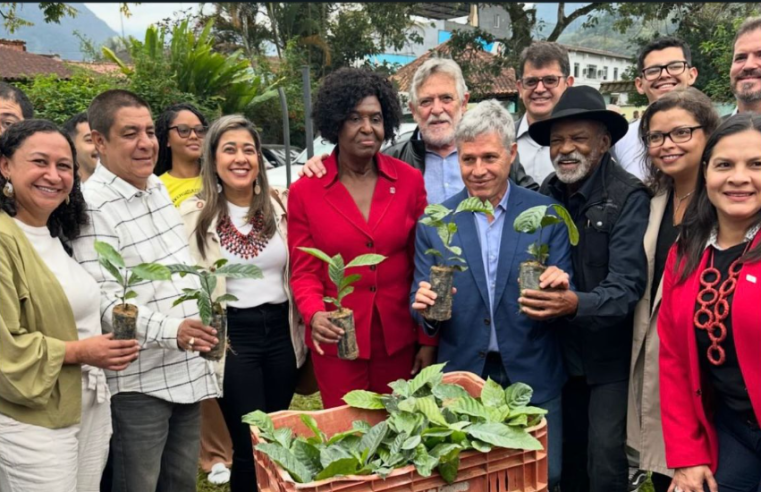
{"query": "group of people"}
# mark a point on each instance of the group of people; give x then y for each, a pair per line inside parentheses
(667, 208)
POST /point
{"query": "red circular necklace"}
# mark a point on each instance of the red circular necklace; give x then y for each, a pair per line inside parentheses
(244, 245)
(714, 305)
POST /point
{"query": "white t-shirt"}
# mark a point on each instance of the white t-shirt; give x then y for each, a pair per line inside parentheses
(271, 260)
(630, 151)
(535, 158)
(81, 290)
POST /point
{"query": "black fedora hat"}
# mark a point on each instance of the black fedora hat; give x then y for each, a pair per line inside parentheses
(580, 103)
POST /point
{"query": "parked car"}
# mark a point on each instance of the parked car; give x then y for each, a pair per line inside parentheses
(275, 153)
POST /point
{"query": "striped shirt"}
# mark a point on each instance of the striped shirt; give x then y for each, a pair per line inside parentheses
(145, 227)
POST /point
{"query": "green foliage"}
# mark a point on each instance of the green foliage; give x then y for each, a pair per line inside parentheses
(435, 215)
(113, 262)
(422, 428)
(337, 269)
(58, 99)
(207, 304)
(536, 218)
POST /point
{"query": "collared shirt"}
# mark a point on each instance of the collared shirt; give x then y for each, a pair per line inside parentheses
(713, 239)
(535, 158)
(630, 151)
(442, 176)
(145, 227)
(490, 238)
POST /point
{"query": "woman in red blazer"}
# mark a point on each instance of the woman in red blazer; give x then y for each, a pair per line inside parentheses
(710, 323)
(366, 202)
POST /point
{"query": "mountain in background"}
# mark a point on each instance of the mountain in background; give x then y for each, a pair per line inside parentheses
(55, 38)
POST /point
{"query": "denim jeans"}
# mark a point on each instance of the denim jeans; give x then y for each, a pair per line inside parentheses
(739, 467)
(260, 374)
(594, 440)
(495, 369)
(155, 445)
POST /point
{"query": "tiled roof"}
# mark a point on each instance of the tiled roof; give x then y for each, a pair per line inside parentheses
(103, 68)
(501, 85)
(20, 65)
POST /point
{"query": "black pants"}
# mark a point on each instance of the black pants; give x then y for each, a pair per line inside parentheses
(260, 374)
(594, 437)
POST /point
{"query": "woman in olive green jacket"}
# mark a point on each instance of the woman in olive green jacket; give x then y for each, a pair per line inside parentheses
(52, 351)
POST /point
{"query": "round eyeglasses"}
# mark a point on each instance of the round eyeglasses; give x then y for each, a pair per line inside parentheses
(677, 135)
(549, 81)
(184, 130)
(673, 68)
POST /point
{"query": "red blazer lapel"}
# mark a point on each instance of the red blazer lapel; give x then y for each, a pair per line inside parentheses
(339, 198)
(688, 294)
(746, 328)
(386, 190)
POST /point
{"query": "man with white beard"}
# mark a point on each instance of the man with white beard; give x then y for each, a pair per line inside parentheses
(438, 99)
(611, 208)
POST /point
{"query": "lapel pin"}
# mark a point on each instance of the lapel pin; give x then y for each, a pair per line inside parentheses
(393, 190)
(750, 278)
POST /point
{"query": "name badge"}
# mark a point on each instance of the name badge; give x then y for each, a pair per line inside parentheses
(392, 190)
(750, 278)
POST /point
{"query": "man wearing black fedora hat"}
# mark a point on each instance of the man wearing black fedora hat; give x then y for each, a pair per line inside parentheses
(610, 208)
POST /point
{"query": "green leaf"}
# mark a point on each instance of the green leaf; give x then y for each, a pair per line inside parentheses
(443, 233)
(404, 422)
(364, 399)
(336, 438)
(348, 280)
(310, 422)
(152, 271)
(336, 270)
(317, 254)
(208, 283)
(518, 421)
(427, 406)
(425, 376)
(549, 220)
(474, 204)
(529, 221)
(492, 394)
(531, 411)
(446, 391)
(130, 294)
(308, 455)
(437, 211)
(286, 460)
(333, 453)
(345, 292)
(342, 467)
(110, 268)
(283, 436)
(185, 298)
(503, 436)
(481, 446)
(434, 252)
(239, 271)
(424, 463)
(449, 463)
(259, 419)
(365, 260)
(437, 432)
(182, 269)
(408, 405)
(374, 438)
(204, 308)
(108, 252)
(468, 405)
(400, 387)
(498, 414)
(573, 231)
(412, 442)
(456, 250)
(226, 298)
(133, 279)
(331, 300)
(361, 426)
(518, 395)
(220, 263)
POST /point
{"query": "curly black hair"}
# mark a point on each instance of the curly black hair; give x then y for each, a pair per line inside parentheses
(66, 220)
(340, 93)
(163, 122)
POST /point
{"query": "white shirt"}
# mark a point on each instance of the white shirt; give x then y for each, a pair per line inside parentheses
(713, 239)
(81, 290)
(145, 227)
(630, 151)
(271, 261)
(535, 158)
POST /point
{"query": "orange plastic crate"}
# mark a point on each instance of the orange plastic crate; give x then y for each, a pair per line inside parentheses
(501, 470)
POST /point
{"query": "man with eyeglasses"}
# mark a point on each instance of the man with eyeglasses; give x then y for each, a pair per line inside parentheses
(745, 72)
(546, 75)
(663, 65)
(14, 106)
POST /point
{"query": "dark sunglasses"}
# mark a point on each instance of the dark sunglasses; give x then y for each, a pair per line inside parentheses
(184, 130)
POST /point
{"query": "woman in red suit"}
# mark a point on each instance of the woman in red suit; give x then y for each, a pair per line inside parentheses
(710, 322)
(366, 202)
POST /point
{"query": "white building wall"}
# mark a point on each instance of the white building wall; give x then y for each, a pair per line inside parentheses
(591, 69)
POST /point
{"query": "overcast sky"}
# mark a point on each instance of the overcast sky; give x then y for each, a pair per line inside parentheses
(142, 16)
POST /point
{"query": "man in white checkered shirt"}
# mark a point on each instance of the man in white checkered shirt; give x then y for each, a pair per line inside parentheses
(155, 401)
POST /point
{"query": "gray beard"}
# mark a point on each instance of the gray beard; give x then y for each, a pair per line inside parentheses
(749, 96)
(581, 171)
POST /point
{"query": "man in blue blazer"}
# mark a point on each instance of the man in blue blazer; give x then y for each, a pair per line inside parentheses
(487, 334)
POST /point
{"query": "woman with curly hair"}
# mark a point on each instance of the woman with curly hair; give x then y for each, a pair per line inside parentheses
(180, 130)
(55, 416)
(366, 202)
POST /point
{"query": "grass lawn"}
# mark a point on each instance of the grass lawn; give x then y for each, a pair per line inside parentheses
(312, 402)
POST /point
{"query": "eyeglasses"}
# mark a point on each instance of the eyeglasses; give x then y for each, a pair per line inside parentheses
(184, 130)
(677, 135)
(549, 81)
(673, 68)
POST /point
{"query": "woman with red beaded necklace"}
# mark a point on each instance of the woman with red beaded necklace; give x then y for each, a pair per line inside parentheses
(237, 216)
(709, 323)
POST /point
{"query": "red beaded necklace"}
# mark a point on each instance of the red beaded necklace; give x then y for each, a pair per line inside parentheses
(715, 308)
(248, 245)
